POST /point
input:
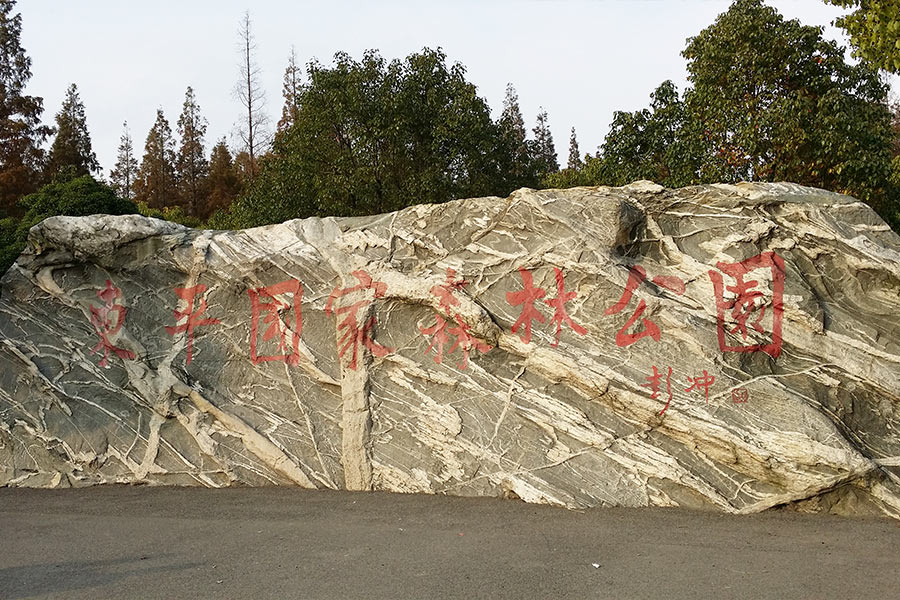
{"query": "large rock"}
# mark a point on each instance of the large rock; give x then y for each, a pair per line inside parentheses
(730, 347)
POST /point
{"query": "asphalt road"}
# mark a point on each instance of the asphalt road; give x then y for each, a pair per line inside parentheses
(141, 542)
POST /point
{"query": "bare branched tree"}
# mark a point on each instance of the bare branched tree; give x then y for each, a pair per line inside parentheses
(252, 130)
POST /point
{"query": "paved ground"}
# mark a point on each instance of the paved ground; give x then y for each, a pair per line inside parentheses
(139, 542)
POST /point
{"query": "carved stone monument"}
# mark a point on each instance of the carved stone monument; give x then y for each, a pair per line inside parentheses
(728, 347)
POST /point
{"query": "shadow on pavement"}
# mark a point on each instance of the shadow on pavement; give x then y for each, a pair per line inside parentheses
(43, 579)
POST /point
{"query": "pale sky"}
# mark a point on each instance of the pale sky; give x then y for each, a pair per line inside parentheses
(579, 59)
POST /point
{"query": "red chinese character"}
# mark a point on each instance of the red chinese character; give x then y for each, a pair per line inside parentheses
(636, 276)
(444, 292)
(354, 336)
(526, 298)
(749, 302)
(740, 395)
(703, 381)
(440, 331)
(653, 384)
(267, 299)
(465, 342)
(559, 303)
(192, 318)
(107, 321)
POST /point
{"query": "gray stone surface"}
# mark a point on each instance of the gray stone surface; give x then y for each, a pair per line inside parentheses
(98, 323)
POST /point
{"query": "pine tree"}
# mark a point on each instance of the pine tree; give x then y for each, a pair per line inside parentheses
(224, 184)
(519, 170)
(291, 92)
(543, 150)
(511, 119)
(252, 128)
(21, 131)
(574, 154)
(156, 185)
(191, 166)
(123, 176)
(71, 150)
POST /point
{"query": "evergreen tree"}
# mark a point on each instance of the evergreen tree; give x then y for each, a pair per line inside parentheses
(517, 168)
(71, 150)
(511, 122)
(21, 131)
(291, 92)
(543, 151)
(191, 166)
(156, 185)
(123, 176)
(223, 181)
(574, 155)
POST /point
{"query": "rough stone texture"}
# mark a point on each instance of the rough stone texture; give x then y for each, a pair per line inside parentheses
(574, 424)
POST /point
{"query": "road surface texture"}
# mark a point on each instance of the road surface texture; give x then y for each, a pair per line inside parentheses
(146, 542)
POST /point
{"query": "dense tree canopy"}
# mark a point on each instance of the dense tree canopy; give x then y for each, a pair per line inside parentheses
(79, 196)
(775, 101)
(874, 30)
(769, 100)
(372, 136)
(659, 143)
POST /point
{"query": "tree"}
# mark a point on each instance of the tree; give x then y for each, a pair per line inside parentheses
(575, 162)
(895, 152)
(518, 168)
(543, 151)
(895, 128)
(797, 112)
(79, 196)
(373, 136)
(191, 166)
(252, 128)
(656, 144)
(874, 30)
(244, 168)
(224, 185)
(291, 91)
(124, 174)
(156, 184)
(21, 131)
(72, 145)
